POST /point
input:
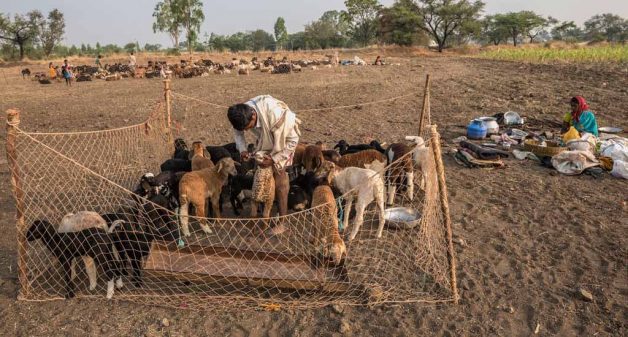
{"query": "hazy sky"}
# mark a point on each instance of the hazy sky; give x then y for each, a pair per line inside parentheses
(122, 21)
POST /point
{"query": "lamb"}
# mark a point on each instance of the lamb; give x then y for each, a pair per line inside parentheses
(344, 147)
(370, 159)
(196, 186)
(312, 158)
(401, 167)
(325, 212)
(76, 223)
(200, 160)
(363, 184)
(244, 70)
(93, 242)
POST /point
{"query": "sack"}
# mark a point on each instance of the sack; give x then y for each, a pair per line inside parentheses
(620, 169)
(572, 133)
(573, 162)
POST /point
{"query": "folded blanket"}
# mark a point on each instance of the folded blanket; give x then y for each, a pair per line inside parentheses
(484, 153)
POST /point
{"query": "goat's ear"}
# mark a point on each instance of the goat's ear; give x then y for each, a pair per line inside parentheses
(219, 166)
(237, 164)
(206, 154)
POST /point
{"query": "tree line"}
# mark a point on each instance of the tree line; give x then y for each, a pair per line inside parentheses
(443, 23)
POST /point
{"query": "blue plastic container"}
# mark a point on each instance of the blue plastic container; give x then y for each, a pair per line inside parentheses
(476, 130)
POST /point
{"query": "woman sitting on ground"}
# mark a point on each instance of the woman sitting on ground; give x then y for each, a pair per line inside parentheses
(378, 61)
(580, 117)
(52, 72)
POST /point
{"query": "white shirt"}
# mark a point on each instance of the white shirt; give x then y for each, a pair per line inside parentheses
(132, 60)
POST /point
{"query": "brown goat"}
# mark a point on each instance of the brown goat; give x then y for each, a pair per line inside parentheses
(401, 168)
(325, 211)
(199, 157)
(197, 186)
(312, 158)
(369, 159)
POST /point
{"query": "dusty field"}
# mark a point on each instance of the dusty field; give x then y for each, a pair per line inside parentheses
(531, 238)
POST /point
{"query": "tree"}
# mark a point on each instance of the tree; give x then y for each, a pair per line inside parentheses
(362, 17)
(129, 47)
(534, 24)
(167, 20)
(329, 31)
(262, 40)
(609, 27)
(281, 33)
(51, 31)
(152, 47)
(493, 32)
(443, 18)
(567, 31)
(191, 17)
(400, 23)
(21, 30)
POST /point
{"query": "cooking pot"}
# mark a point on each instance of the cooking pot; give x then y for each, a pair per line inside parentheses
(492, 128)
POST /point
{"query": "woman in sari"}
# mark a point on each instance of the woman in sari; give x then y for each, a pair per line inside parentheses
(580, 117)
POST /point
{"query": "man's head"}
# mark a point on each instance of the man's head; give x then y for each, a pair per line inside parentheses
(131, 53)
(242, 117)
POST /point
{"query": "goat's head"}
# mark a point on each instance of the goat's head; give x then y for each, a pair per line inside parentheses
(227, 167)
(342, 146)
(179, 144)
(336, 249)
(38, 229)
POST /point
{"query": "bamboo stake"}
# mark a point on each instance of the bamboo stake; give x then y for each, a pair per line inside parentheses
(425, 108)
(442, 189)
(13, 121)
(167, 96)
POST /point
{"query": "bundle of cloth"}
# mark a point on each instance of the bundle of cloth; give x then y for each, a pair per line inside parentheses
(472, 155)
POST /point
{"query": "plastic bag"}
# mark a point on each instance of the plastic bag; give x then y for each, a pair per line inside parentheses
(620, 169)
(572, 133)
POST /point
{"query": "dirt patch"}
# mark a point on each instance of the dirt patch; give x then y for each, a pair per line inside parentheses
(531, 238)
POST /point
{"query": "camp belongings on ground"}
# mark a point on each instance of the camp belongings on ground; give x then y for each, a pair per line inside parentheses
(571, 153)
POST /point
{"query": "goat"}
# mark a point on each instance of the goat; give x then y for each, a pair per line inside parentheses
(400, 167)
(26, 73)
(93, 242)
(199, 158)
(370, 159)
(312, 158)
(325, 212)
(75, 223)
(196, 186)
(344, 147)
(367, 187)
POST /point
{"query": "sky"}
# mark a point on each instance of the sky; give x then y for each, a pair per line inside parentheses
(123, 21)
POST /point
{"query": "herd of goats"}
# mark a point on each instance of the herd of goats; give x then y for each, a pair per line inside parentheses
(366, 173)
(187, 69)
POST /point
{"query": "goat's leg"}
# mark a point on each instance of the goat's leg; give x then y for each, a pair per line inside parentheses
(136, 266)
(348, 205)
(233, 198)
(185, 218)
(359, 218)
(110, 288)
(73, 269)
(90, 267)
(202, 218)
(392, 190)
(66, 265)
(410, 184)
(379, 199)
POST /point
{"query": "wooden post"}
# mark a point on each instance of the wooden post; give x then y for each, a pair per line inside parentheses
(442, 192)
(168, 109)
(13, 121)
(426, 104)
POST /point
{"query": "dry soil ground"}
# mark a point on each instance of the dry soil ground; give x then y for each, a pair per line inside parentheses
(531, 238)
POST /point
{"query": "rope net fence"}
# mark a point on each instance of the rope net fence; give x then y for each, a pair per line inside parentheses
(237, 265)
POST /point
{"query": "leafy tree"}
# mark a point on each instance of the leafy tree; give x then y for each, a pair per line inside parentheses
(21, 30)
(262, 40)
(51, 31)
(152, 47)
(534, 24)
(73, 50)
(511, 23)
(296, 41)
(129, 47)
(400, 23)
(166, 16)
(443, 18)
(217, 42)
(492, 32)
(330, 31)
(362, 16)
(609, 27)
(191, 16)
(281, 32)
(567, 31)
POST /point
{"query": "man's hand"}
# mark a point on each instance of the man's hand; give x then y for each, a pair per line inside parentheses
(245, 155)
(266, 162)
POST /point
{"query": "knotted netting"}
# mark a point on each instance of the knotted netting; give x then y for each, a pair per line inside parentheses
(237, 265)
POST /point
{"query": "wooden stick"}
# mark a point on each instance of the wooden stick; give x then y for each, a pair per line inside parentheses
(442, 189)
(13, 121)
(425, 108)
(168, 109)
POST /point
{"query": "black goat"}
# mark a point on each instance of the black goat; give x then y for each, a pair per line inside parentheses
(26, 72)
(93, 242)
(344, 147)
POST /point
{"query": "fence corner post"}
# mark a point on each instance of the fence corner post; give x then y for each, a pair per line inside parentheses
(444, 201)
(13, 122)
(167, 96)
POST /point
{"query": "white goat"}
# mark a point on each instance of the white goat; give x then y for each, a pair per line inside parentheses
(367, 186)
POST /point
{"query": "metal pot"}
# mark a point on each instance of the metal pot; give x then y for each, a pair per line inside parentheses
(492, 128)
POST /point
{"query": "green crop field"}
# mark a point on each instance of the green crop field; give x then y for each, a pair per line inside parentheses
(593, 54)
